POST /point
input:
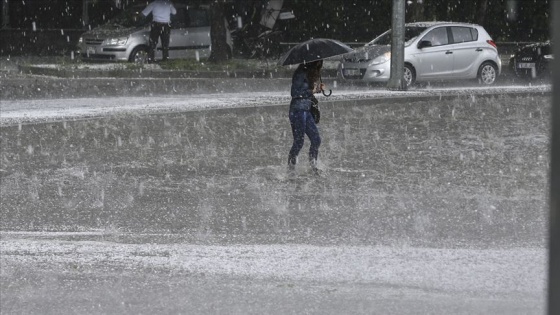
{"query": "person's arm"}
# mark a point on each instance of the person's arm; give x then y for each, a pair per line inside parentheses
(173, 10)
(148, 9)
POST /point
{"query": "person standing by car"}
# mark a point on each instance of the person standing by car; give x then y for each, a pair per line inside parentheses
(305, 82)
(161, 11)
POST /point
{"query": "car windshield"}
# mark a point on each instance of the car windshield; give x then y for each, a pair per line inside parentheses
(410, 34)
(132, 17)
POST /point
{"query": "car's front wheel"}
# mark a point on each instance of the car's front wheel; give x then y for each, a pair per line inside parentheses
(487, 73)
(139, 55)
(409, 75)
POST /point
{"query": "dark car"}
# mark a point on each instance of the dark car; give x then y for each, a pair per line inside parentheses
(533, 61)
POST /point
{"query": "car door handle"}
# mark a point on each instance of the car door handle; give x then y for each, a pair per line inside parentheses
(478, 49)
(448, 52)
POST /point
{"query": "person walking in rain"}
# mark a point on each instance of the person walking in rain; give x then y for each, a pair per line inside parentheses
(161, 11)
(305, 82)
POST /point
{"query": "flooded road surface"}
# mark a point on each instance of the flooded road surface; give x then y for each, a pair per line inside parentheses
(424, 206)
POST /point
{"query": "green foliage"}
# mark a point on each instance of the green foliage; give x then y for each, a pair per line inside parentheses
(346, 20)
(363, 20)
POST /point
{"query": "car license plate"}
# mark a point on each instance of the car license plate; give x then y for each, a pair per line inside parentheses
(526, 65)
(352, 72)
(90, 50)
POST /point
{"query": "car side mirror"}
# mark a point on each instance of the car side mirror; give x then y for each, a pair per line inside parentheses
(424, 43)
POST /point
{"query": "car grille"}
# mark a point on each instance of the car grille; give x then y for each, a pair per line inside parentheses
(93, 41)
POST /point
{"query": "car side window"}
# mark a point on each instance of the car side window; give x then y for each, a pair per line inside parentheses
(463, 34)
(437, 36)
(474, 33)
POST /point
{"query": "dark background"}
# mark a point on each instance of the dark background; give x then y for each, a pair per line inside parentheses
(60, 22)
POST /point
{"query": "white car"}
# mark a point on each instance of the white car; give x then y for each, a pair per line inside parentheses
(126, 37)
(434, 51)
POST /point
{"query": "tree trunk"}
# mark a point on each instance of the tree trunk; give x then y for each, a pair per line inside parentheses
(220, 49)
(482, 7)
(85, 13)
(5, 14)
(396, 81)
(554, 178)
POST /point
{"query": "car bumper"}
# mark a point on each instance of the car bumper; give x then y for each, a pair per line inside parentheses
(103, 53)
(530, 69)
(355, 71)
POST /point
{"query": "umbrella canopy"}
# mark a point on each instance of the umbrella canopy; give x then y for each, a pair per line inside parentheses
(313, 50)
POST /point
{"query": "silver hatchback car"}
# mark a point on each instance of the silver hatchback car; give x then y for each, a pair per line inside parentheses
(125, 37)
(434, 51)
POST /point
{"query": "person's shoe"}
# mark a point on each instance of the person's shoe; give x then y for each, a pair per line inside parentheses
(292, 166)
(292, 160)
(314, 169)
(291, 169)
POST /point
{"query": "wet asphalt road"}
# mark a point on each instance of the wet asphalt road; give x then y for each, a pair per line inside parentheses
(462, 181)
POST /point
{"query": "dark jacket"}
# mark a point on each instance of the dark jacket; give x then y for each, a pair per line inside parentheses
(302, 91)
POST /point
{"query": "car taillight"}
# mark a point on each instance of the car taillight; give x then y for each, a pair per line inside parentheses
(491, 42)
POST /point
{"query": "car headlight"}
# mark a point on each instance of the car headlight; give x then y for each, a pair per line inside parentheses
(381, 59)
(115, 41)
(550, 57)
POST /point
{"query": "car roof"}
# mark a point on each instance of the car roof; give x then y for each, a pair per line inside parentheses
(437, 23)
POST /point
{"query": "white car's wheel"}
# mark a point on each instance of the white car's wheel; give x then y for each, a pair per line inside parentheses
(487, 73)
(409, 75)
(139, 55)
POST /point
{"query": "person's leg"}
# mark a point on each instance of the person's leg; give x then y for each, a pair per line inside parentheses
(155, 30)
(165, 34)
(297, 122)
(313, 133)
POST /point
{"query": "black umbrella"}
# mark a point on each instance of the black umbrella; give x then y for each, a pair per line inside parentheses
(313, 50)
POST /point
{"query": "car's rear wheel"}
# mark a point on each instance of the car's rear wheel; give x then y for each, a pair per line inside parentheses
(487, 73)
(139, 55)
(409, 75)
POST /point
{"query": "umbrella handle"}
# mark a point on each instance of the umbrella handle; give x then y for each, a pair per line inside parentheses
(325, 94)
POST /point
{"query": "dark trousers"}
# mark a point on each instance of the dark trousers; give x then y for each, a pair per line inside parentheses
(303, 124)
(159, 31)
